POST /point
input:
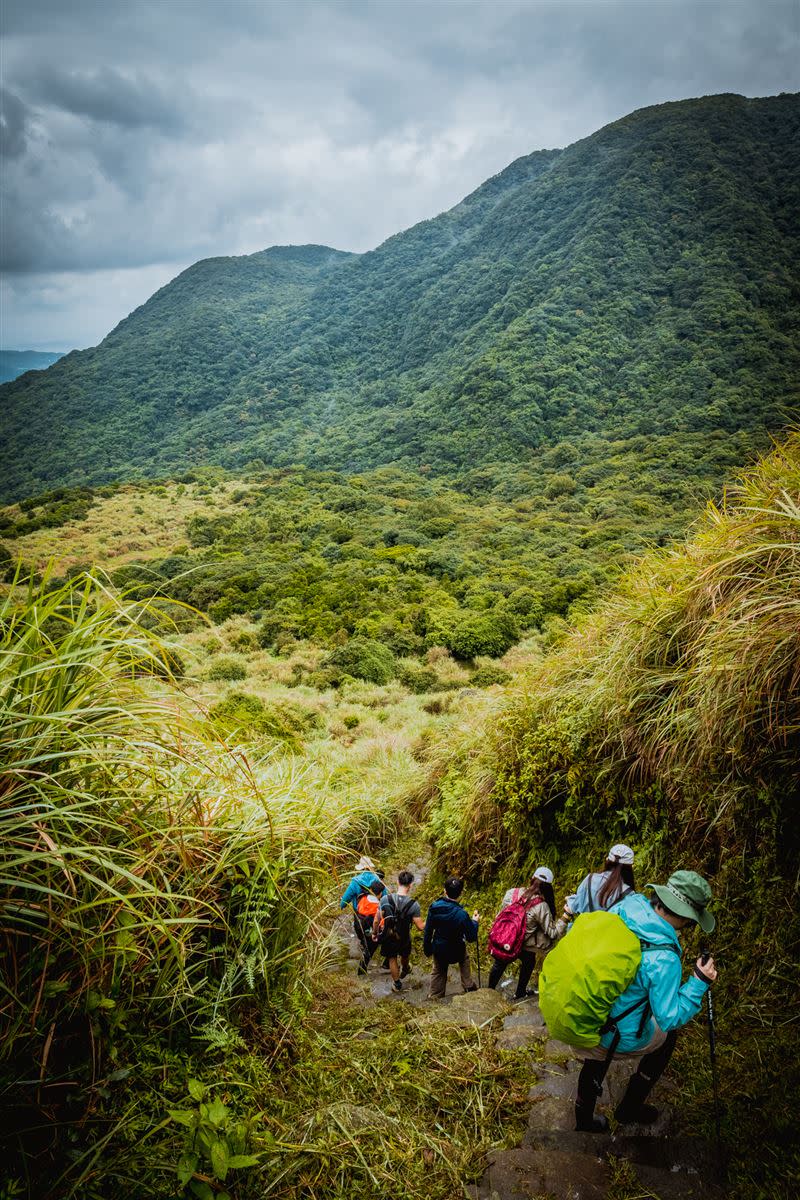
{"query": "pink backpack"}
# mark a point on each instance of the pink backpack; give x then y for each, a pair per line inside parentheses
(509, 926)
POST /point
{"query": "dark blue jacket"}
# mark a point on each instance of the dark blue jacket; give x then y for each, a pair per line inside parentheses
(447, 928)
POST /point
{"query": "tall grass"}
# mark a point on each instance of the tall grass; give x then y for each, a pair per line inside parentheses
(683, 686)
(148, 878)
(670, 719)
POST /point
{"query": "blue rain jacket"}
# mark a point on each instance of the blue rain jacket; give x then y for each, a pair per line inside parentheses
(657, 981)
(447, 928)
(357, 886)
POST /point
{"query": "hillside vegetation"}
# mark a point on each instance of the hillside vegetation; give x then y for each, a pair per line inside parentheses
(670, 716)
(642, 282)
(178, 800)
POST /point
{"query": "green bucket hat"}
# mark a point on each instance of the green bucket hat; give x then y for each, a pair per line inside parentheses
(687, 894)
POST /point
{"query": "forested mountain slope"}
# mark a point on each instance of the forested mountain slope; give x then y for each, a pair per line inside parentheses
(641, 282)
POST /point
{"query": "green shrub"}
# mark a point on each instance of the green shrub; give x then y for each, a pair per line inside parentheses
(419, 679)
(364, 658)
(227, 668)
(489, 633)
(242, 717)
(488, 675)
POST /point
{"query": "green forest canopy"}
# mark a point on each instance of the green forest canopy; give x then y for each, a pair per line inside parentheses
(640, 283)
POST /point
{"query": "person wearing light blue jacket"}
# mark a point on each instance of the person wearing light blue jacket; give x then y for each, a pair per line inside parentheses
(649, 1013)
(606, 888)
(361, 883)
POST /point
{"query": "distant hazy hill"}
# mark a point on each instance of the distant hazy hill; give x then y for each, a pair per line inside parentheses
(641, 283)
(16, 362)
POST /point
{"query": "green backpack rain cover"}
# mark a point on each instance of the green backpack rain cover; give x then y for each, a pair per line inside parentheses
(584, 974)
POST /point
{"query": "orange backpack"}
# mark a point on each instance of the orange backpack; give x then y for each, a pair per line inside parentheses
(368, 905)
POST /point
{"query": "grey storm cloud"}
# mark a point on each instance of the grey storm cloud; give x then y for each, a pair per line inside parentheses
(139, 135)
(109, 96)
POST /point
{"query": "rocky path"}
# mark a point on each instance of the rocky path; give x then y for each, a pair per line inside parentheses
(553, 1162)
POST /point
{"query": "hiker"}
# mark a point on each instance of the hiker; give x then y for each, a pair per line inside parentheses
(648, 1014)
(365, 878)
(447, 931)
(524, 930)
(393, 926)
(604, 889)
(368, 907)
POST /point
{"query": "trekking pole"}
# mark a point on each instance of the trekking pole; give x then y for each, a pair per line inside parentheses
(712, 1049)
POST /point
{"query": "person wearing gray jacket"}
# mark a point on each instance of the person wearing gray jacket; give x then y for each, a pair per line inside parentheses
(542, 930)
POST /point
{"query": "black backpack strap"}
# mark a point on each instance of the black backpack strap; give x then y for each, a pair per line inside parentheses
(612, 1026)
(589, 894)
(625, 892)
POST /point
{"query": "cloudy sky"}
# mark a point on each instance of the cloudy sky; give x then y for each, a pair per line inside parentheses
(141, 135)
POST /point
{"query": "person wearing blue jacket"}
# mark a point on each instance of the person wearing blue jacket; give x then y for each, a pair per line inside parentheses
(447, 931)
(649, 1013)
(362, 882)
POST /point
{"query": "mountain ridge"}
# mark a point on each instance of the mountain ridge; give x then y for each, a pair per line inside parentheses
(640, 281)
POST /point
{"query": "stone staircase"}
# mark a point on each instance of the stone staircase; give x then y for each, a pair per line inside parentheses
(554, 1162)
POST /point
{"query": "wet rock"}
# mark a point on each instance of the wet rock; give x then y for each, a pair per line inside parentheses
(353, 1118)
(515, 1039)
(523, 1174)
(470, 1008)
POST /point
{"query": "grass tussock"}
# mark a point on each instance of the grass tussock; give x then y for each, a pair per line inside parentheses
(152, 878)
(685, 683)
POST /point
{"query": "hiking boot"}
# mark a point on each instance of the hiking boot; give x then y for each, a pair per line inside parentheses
(632, 1109)
(473, 987)
(397, 985)
(405, 971)
(528, 995)
(590, 1124)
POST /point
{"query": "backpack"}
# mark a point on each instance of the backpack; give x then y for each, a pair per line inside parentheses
(509, 928)
(585, 973)
(367, 905)
(396, 919)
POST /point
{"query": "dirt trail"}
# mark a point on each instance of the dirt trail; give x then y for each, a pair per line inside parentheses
(553, 1162)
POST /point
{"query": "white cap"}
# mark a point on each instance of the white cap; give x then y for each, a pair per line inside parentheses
(543, 873)
(621, 854)
(365, 864)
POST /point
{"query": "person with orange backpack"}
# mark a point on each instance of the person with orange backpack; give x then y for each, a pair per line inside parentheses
(524, 930)
(361, 888)
(367, 909)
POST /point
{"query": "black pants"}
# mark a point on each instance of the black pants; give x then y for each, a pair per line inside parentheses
(363, 931)
(527, 961)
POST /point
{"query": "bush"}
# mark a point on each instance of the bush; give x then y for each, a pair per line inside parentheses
(482, 633)
(242, 717)
(227, 668)
(364, 658)
(527, 605)
(419, 679)
(489, 675)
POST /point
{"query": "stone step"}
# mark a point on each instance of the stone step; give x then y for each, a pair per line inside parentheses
(570, 1174)
(669, 1153)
